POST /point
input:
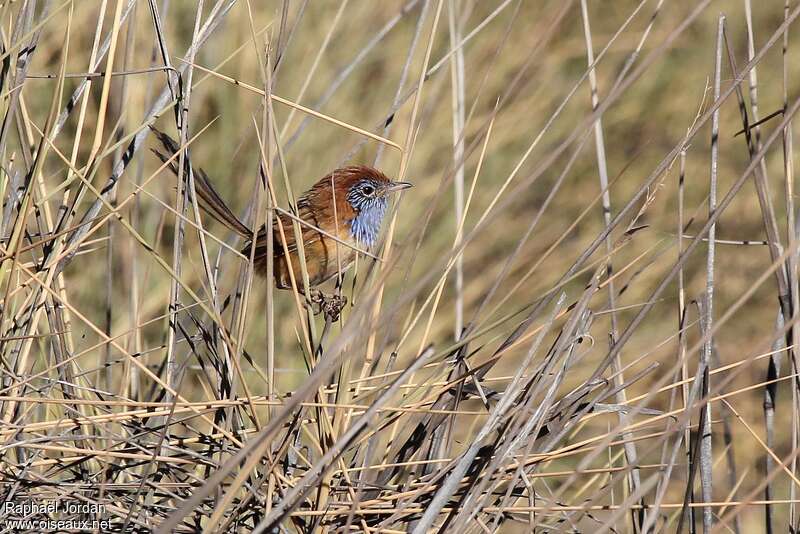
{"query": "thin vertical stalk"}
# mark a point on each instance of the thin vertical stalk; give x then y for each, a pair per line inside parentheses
(267, 162)
(408, 147)
(368, 361)
(110, 244)
(682, 311)
(770, 391)
(267, 153)
(130, 373)
(181, 203)
(101, 115)
(706, 449)
(631, 456)
(457, 76)
(313, 68)
(794, 288)
(774, 364)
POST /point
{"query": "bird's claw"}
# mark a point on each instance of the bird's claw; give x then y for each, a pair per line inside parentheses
(330, 305)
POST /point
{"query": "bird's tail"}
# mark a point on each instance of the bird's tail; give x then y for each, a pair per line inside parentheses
(208, 199)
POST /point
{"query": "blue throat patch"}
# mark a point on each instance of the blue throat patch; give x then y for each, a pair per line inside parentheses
(366, 225)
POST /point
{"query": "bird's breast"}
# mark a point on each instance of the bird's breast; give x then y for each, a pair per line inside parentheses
(365, 226)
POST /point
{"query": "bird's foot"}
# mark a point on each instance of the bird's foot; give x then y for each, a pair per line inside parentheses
(330, 305)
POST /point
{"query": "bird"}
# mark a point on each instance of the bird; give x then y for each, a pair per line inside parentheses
(339, 215)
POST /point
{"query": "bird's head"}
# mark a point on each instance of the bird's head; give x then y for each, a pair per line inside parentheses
(369, 188)
(366, 192)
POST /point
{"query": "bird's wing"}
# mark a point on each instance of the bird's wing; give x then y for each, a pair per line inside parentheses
(309, 233)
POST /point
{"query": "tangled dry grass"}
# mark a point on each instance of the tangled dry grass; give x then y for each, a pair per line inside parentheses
(582, 318)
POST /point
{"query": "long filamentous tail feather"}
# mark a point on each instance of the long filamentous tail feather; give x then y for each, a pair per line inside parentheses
(208, 199)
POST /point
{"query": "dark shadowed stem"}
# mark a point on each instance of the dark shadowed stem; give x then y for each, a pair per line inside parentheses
(792, 266)
(706, 450)
(770, 391)
(773, 369)
(109, 295)
(682, 308)
(699, 381)
(651, 516)
(284, 43)
(172, 369)
(764, 196)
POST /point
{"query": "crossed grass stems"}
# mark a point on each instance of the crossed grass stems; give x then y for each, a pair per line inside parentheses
(313, 459)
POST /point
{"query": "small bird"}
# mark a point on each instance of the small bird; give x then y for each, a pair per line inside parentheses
(349, 203)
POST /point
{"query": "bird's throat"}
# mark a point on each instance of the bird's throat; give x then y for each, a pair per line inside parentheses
(366, 225)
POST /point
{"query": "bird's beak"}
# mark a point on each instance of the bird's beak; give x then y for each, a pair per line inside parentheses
(398, 186)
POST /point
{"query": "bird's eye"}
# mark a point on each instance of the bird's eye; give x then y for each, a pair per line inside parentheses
(368, 190)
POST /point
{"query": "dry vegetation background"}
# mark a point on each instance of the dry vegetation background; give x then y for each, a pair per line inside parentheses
(528, 355)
